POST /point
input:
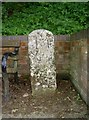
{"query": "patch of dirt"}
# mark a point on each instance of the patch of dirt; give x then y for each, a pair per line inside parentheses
(62, 103)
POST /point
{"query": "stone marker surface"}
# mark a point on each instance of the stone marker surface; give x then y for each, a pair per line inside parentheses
(41, 55)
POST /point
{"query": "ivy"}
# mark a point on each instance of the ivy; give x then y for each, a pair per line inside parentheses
(59, 18)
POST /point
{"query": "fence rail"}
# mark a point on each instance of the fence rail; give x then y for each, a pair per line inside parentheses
(84, 34)
(25, 37)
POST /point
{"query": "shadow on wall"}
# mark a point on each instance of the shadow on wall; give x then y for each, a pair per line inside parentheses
(62, 76)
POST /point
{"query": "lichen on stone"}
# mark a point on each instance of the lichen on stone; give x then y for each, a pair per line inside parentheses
(41, 54)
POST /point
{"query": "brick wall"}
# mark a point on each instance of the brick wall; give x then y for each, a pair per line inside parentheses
(71, 57)
(62, 49)
(61, 53)
(78, 63)
(23, 62)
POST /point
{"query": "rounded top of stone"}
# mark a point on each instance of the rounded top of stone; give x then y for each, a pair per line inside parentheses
(40, 31)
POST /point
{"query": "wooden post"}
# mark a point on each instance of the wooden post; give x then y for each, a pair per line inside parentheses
(16, 71)
(6, 86)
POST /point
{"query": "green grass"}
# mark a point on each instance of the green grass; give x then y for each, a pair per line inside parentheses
(59, 18)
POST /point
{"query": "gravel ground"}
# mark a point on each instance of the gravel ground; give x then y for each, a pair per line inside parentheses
(64, 102)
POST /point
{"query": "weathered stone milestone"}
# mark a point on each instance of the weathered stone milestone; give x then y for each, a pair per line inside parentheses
(41, 54)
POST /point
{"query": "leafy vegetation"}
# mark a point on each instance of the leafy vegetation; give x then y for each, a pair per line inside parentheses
(59, 18)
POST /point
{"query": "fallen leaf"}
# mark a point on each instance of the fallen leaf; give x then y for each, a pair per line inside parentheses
(14, 110)
(26, 95)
